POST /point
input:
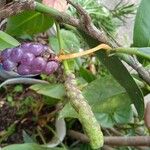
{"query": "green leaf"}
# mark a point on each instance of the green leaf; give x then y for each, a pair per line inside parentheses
(141, 37)
(6, 41)
(121, 74)
(56, 91)
(28, 22)
(70, 41)
(108, 100)
(50, 101)
(27, 138)
(70, 44)
(102, 89)
(28, 146)
(88, 76)
(68, 112)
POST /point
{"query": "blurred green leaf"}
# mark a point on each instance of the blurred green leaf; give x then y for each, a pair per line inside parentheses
(53, 42)
(50, 101)
(70, 44)
(101, 16)
(141, 35)
(18, 88)
(29, 146)
(109, 101)
(27, 138)
(70, 41)
(108, 98)
(88, 76)
(7, 41)
(68, 112)
(81, 146)
(28, 22)
(56, 91)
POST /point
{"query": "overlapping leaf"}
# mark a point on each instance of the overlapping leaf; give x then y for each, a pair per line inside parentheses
(28, 23)
(6, 41)
(56, 91)
(121, 74)
(109, 101)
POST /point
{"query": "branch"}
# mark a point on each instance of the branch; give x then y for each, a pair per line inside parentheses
(16, 7)
(114, 140)
(87, 25)
(133, 62)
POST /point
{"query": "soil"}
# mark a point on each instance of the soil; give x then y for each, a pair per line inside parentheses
(28, 122)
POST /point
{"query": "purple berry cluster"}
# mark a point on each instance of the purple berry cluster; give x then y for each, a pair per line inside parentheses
(29, 58)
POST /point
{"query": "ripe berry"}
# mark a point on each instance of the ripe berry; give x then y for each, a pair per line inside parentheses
(27, 58)
(38, 64)
(5, 54)
(8, 65)
(16, 54)
(25, 46)
(24, 70)
(51, 67)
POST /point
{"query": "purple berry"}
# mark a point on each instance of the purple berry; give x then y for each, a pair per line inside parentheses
(8, 65)
(37, 66)
(27, 58)
(5, 54)
(36, 49)
(51, 67)
(16, 54)
(26, 46)
(24, 70)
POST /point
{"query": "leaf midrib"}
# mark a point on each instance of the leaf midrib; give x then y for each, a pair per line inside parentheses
(25, 21)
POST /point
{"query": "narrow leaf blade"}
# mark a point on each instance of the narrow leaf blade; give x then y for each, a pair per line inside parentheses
(141, 37)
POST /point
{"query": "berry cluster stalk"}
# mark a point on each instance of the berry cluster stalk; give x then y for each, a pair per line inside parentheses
(79, 103)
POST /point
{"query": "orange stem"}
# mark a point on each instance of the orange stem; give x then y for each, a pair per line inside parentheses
(83, 53)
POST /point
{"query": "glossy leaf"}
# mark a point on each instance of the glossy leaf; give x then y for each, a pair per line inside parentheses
(70, 41)
(141, 36)
(56, 91)
(7, 41)
(28, 147)
(109, 101)
(28, 23)
(121, 74)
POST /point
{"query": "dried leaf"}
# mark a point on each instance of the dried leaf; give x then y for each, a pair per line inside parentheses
(60, 5)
